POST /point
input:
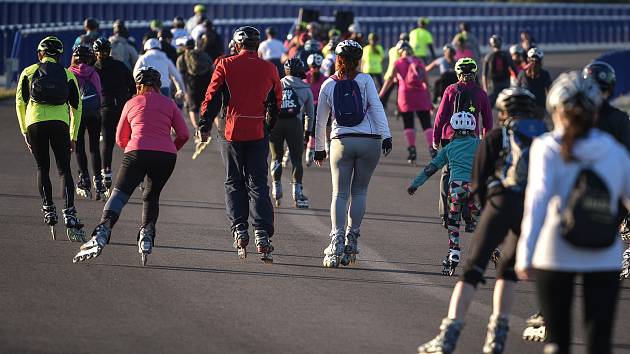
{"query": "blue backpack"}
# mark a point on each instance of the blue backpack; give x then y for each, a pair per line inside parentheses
(517, 139)
(90, 99)
(348, 102)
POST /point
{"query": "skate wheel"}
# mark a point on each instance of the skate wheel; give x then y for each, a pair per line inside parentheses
(242, 253)
(53, 231)
(144, 259)
(266, 258)
(277, 202)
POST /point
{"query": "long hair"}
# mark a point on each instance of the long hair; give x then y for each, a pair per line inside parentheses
(580, 121)
(346, 68)
(142, 89)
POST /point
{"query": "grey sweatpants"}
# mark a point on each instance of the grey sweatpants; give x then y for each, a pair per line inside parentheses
(352, 162)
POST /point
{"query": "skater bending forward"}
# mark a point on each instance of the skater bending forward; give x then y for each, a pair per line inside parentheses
(144, 131)
(359, 133)
(459, 154)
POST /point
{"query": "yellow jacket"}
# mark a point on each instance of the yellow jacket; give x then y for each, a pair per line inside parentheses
(29, 111)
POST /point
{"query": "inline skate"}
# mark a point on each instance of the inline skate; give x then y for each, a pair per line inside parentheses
(74, 226)
(450, 262)
(51, 218)
(276, 192)
(241, 240)
(146, 237)
(301, 201)
(446, 340)
(263, 246)
(335, 252)
(497, 335)
(83, 187)
(535, 330)
(94, 247)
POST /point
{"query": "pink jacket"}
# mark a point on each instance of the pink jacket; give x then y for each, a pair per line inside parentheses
(442, 126)
(315, 85)
(84, 73)
(146, 122)
(411, 99)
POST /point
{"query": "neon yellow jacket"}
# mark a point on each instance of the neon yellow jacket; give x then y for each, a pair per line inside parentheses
(393, 56)
(29, 111)
(372, 61)
(419, 39)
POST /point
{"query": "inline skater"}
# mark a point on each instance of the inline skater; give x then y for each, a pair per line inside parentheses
(90, 25)
(122, 49)
(459, 154)
(165, 36)
(51, 118)
(446, 66)
(157, 59)
(414, 98)
(496, 69)
(144, 132)
(421, 40)
(90, 93)
(499, 179)
(195, 66)
(295, 121)
(179, 30)
(518, 57)
(315, 79)
(254, 93)
(272, 49)
(536, 79)
(372, 61)
(359, 134)
(463, 96)
(392, 55)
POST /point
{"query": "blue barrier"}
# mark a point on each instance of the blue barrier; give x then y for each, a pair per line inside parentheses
(619, 61)
(51, 11)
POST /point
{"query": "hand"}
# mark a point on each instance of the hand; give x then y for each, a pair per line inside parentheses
(179, 94)
(435, 145)
(524, 273)
(319, 158)
(28, 144)
(203, 136)
(73, 146)
(411, 190)
(386, 145)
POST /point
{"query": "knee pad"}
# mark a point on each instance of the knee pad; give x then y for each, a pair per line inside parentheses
(473, 275)
(116, 201)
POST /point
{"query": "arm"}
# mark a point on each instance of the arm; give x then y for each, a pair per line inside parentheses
(133, 54)
(486, 112)
(75, 103)
(485, 163)
(211, 104)
(179, 125)
(323, 111)
(387, 84)
(426, 82)
(432, 50)
(432, 65)
(537, 195)
(123, 131)
(309, 110)
(176, 77)
(443, 114)
(375, 110)
(96, 81)
(22, 96)
(274, 98)
(131, 83)
(486, 73)
(429, 170)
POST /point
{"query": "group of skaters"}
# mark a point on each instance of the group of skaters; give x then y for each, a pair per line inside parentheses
(315, 100)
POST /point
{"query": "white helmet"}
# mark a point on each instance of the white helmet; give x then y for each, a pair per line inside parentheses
(314, 60)
(570, 89)
(463, 121)
(535, 53)
(152, 43)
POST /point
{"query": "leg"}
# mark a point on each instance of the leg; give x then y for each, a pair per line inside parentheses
(236, 199)
(159, 169)
(38, 136)
(276, 145)
(109, 122)
(456, 201)
(555, 294)
(295, 143)
(443, 200)
(80, 150)
(368, 152)
(94, 134)
(409, 129)
(130, 175)
(601, 290)
(341, 168)
(255, 157)
(60, 144)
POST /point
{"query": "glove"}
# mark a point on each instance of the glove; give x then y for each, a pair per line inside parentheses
(387, 146)
(411, 190)
(319, 156)
(204, 129)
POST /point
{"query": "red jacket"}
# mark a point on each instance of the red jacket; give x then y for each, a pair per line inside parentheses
(248, 87)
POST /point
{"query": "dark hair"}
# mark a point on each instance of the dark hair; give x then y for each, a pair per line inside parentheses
(74, 60)
(142, 89)
(315, 75)
(346, 67)
(580, 120)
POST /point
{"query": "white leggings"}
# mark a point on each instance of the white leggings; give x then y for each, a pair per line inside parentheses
(352, 162)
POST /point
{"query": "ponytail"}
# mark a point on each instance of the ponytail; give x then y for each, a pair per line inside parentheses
(580, 121)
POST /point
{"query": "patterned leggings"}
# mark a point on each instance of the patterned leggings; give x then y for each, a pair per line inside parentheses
(459, 196)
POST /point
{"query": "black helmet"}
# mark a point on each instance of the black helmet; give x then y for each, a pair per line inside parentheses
(50, 45)
(90, 23)
(102, 45)
(294, 67)
(82, 51)
(349, 49)
(515, 100)
(147, 75)
(602, 73)
(495, 41)
(165, 34)
(246, 34)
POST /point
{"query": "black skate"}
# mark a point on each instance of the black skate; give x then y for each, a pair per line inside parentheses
(74, 227)
(83, 187)
(411, 158)
(625, 229)
(93, 248)
(497, 335)
(334, 252)
(351, 248)
(241, 240)
(51, 218)
(536, 330)
(99, 189)
(276, 190)
(495, 257)
(625, 265)
(446, 340)
(146, 237)
(301, 201)
(200, 146)
(107, 182)
(450, 262)
(263, 246)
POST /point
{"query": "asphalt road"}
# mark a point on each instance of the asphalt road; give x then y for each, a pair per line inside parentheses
(196, 296)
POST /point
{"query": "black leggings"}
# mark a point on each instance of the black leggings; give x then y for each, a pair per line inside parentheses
(56, 134)
(157, 166)
(91, 123)
(291, 131)
(423, 116)
(109, 123)
(600, 291)
(502, 213)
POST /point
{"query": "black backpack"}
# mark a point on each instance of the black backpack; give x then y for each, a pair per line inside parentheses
(49, 84)
(463, 101)
(588, 220)
(290, 106)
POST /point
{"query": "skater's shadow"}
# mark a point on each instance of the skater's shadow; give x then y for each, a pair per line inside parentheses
(377, 270)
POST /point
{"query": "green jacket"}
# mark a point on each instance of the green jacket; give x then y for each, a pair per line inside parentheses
(29, 111)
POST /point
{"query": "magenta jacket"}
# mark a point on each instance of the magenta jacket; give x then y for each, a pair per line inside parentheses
(315, 85)
(442, 126)
(84, 73)
(146, 122)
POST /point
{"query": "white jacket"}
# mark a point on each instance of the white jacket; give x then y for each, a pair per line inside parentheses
(375, 121)
(549, 184)
(159, 60)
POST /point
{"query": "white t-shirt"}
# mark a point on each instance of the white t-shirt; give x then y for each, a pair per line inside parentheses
(271, 49)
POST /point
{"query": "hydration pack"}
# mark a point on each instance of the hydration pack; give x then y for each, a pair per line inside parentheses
(517, 140)
(49, 84)
(347, 102)
(90, 99)
(463, 101)
(290, 106)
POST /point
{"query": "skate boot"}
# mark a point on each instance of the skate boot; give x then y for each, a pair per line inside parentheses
(497, 335)
(99, 188)
(241, 240)
(276, 192)
(470, 227)
(74, 226)
(146, 236)
(334, 253)
(107, 181)
(446, 340)
(50, 218)
(83, 187)
(285, 158)
(411, 158)
(309, 156)
(301, 201)
(263, 246)
(450, 262)
(625, 229)
(495, 257)
(93, 248)
(625, 266)
(351, 248)
(535, 330)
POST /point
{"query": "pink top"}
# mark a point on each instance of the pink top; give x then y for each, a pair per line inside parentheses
(465, 53)
(146, 122)
(411, 99)
(315, 85)
(83, 73)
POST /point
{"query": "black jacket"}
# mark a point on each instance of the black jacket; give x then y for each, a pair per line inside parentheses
(116, 81)
(614, 122)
